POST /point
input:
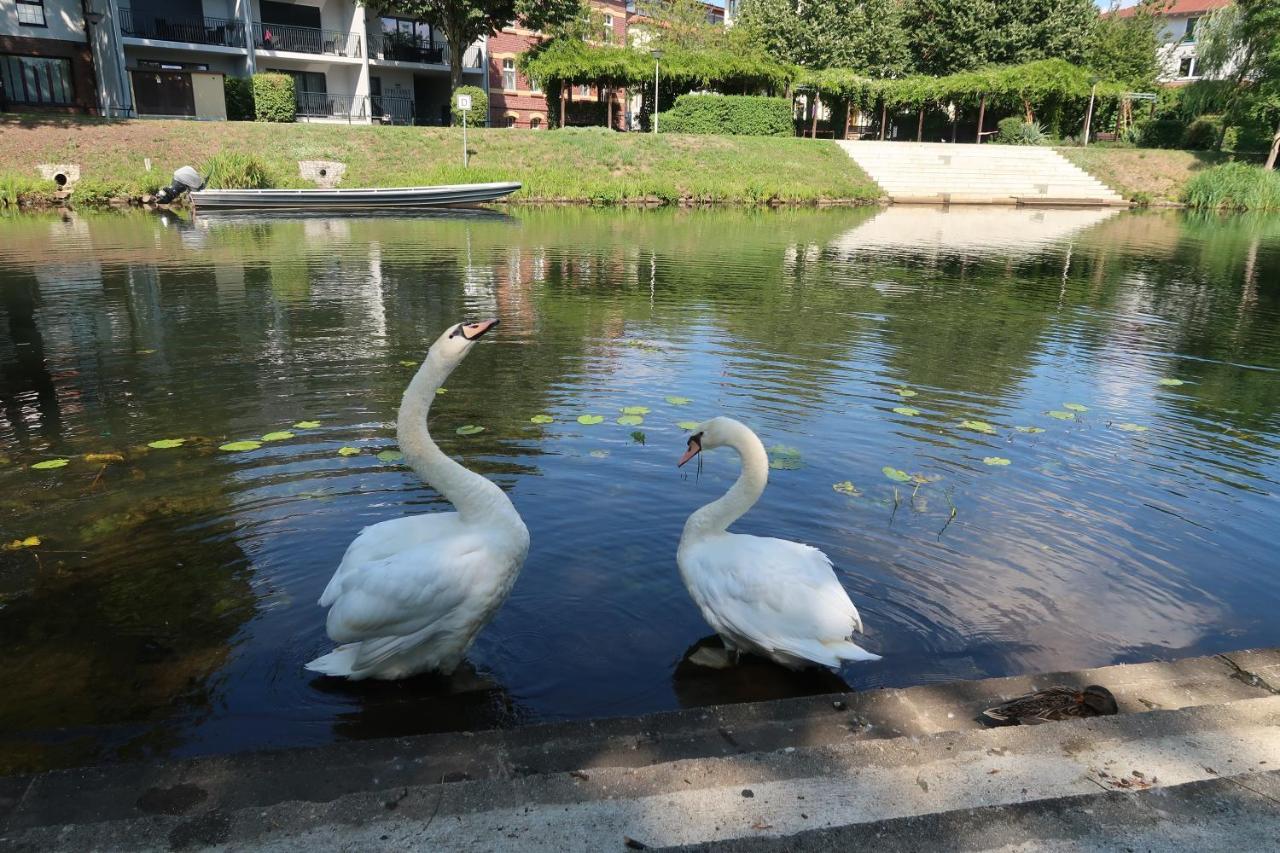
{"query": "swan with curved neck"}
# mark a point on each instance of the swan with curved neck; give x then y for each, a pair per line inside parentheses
(772, 597)
(412, 593)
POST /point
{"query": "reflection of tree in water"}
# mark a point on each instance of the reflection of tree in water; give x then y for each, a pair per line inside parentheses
(23, 370)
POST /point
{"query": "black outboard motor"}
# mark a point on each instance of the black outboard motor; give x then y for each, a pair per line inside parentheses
(185, 179)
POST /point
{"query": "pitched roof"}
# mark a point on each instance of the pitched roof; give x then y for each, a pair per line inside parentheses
(1181, 7)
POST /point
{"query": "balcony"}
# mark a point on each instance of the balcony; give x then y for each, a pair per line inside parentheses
(212, 31)
(395, 47)
(327, 105)
(306, 40)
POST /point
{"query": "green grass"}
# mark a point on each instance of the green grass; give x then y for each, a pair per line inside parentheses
(575, 165)
(1145, 175)
(1235, 186)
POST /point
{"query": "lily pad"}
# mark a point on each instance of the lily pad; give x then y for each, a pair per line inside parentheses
(599, 454)
(688, 425)
(1128, 427)
(146, 352)
(50, 464)
(1030, 429)
(1075, 407)
(103, 457)
(925, 479)
(277, 436)
(407, 363)
(679, 401)
(631, 420)
(442, 391)
(469, 429)
(1170, 382)
(390, 456)
(904, 392)
(29, 542)
(1061, 415)
(590, 420)
(896, 474)
(233, 446)
(634, 410)
(846, 488)
(979, 426)
(348, 451)
(906, 410)
(306, 425)
(995, 460)
(783, 458)
(542, 419)
(166, 443)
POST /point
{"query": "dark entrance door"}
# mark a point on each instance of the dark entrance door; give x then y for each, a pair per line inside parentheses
(163, 93)
(422, 100)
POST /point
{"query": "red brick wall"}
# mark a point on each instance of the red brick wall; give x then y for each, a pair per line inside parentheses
(522, 102)
(83, 82)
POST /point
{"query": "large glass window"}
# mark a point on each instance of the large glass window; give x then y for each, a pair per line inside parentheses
(508, 73)
(31, 13)
(1191, 29)
(38, 80)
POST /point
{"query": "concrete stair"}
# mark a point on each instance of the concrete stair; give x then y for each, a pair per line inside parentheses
(940, 173)
(910, 769)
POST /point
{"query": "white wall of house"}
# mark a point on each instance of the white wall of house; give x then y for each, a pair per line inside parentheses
(1177, 53)
(64, 21)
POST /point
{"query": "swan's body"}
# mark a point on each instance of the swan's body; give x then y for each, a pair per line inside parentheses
(776, 598)
(412, 593)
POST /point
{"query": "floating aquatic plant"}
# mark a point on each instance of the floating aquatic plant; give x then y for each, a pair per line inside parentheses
(599, 454)
(469, 429)
(904, 392)
(541, 419)
(1170, 382)
(29, 542)
(50, 464)
(277, 436)
(631, 420)
(306, 425)
(906, 410)
(166, 443)
(1061, 415)
(146, 352)
(784, 458)
(688, 425)
(846, 488)
(348, 451)
(233, 446)
(390, 456)
(1030, 429)
(442, 390)
(634, 410)
(637, 436)
(995, 460)
(1128, 427)
(590, 420)
(103, 457)
(896, 474)
(979, 426)
(407, 363)
(1075, 407)
(679, 401)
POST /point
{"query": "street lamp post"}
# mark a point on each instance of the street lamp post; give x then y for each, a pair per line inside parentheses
(1088, 116)
(657, 55)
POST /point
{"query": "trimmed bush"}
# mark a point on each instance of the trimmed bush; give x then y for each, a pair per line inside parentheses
(274, 98)
(1202, 134)
(238, 92)
(729, 115)
(232, 171)
(1234, 186)
(479, 113)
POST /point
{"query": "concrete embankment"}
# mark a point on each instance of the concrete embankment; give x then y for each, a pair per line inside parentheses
(1191, 762)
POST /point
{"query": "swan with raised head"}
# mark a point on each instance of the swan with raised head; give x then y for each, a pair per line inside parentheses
(412, 593)
(772, 597)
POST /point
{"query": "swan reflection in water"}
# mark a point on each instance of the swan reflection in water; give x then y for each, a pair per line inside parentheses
(751, 679)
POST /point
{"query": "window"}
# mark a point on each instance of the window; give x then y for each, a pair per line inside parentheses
(608, 28)
(584, 91)
(535, 123)
(511, 121)
(166, 65)
(31, 13)
(1187, 67)
(1190, 34)
(535, 86)
(508, 73)
(36, 80)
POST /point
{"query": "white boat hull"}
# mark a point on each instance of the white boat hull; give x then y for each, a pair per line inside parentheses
(350, 199)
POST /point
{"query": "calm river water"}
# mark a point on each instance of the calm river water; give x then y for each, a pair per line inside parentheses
(170, 603)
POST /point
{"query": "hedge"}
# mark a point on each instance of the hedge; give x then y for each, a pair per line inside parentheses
(238, 92)
(478, 115)
(729, 115)
(273, 97)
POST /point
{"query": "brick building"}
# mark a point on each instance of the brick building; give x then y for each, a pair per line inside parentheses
(516, 101)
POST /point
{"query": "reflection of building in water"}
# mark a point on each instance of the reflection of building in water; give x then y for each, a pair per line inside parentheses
(927, 229)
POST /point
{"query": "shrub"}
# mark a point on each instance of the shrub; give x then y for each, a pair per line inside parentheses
(479, 114)
(1015, 131)
(238, 92)
(274, 98)
(1234, 186)
(98, 191)
(231, 171)
(730, 115)
(1165, 132)
(1203, 133)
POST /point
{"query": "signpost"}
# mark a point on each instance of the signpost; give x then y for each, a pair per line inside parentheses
(464, 107)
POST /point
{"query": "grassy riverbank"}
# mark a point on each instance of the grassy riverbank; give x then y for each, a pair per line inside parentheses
(1148, 175)
(586, 166)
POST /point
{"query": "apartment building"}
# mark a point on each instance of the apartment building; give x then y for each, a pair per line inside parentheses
(1177, 51)
(516, 101)
(47, 60)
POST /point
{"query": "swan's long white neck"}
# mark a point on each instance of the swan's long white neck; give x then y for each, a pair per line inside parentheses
(716, 516)
(475, 497)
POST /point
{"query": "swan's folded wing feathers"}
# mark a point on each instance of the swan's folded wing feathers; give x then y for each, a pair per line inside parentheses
(384, 540)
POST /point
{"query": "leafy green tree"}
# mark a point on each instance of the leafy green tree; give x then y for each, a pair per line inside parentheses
(1028, 30)
(1124, 49)
(866, 36)
(947, 36)
(680, 24)
(1244, 38)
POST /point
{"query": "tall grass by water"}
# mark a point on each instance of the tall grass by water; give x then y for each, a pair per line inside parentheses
(1235, 186)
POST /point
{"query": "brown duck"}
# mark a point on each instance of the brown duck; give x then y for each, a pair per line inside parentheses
(1053, 704)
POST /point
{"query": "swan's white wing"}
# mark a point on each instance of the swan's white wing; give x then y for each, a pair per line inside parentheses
(780, 595)
(388, 539)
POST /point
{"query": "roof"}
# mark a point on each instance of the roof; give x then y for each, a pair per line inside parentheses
(1181, 7)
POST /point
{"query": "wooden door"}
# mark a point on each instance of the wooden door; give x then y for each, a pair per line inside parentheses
(163, 93)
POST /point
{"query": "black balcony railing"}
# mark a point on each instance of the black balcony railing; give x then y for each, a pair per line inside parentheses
(329, 105)
(392, 109)
(306, 40)
(216, 31)
(404, 48)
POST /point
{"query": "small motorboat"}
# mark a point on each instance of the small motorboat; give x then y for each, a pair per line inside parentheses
(189, 181)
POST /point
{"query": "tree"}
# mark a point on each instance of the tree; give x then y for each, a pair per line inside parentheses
(464, 21)
(1124, 49)
(680, 24)
(947, 36)
(866, 36)
(1241, 39)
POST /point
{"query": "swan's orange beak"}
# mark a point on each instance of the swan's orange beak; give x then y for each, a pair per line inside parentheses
(695, 447)
(472, 331)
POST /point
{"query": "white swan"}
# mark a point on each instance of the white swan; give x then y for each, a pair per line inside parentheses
(775, 598)
(412, 593)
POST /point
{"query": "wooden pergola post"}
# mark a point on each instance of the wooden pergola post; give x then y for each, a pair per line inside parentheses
(848, 117)
(982, 111)
(884, 110)
(607, 94)
(813, 125)
(564, 102)
(920, 125)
